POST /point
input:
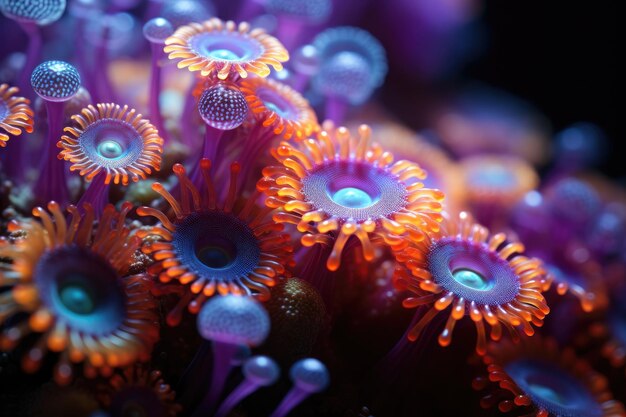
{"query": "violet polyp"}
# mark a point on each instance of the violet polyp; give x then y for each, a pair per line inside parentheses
(55, 82)
(156, 31)
(228, 322)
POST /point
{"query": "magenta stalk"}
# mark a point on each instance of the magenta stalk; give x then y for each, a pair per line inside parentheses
(33, 53)
(223, 354)
(52, 183)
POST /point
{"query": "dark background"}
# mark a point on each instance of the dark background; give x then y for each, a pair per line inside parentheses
(562, 57)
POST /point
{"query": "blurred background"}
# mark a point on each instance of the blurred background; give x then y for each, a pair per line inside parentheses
(558, 56)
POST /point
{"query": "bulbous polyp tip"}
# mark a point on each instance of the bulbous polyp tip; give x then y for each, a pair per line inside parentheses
(310, 375)
(205, 163)
(261, 370)
(306, 60)
(178, 169)
(157, 30)
(183, 12)
(346, 75)
(581, 144)
(223, 107)
(55, 80)
(234, 319)
(283, 150)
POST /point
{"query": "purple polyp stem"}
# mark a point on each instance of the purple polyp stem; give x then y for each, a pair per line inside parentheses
(155, 89)
(104, 86)
(406, 353)
(212, 138)
(154, 9)
(223, 354)
(313, 270)
(400, 368)
(189, 128)
(52, 184)
(294, 397)
(33, 54)
(242, 391)
(97, 194)
(195, 376)
(336, 110)
(86, 72)
(255, 143)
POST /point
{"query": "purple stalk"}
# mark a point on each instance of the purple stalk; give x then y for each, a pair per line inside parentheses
(52, 184)
(336, 110)
(212, 138)
(294, 397)
(81, 54)
(312, 269)
(223, 354)
(400, 368)
(406, 356)
(97, 194)
(155, 89)
(189, 128)
(105, 89)
(255, 144)
(195, 376)
(242, 391)
(33, 55)
(154, 9)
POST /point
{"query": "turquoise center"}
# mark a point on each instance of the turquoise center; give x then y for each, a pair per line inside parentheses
(547, 393)
(276, 109)
(471, 279)
(352, 198)
(77, 299)
(224, 54)
(110, 149)
(214, 257)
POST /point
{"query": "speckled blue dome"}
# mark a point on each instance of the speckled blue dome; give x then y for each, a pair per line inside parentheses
(41, 12)
(55, 80)
(234, 320)
(223, 107)
(358, 41)
(345, 75)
